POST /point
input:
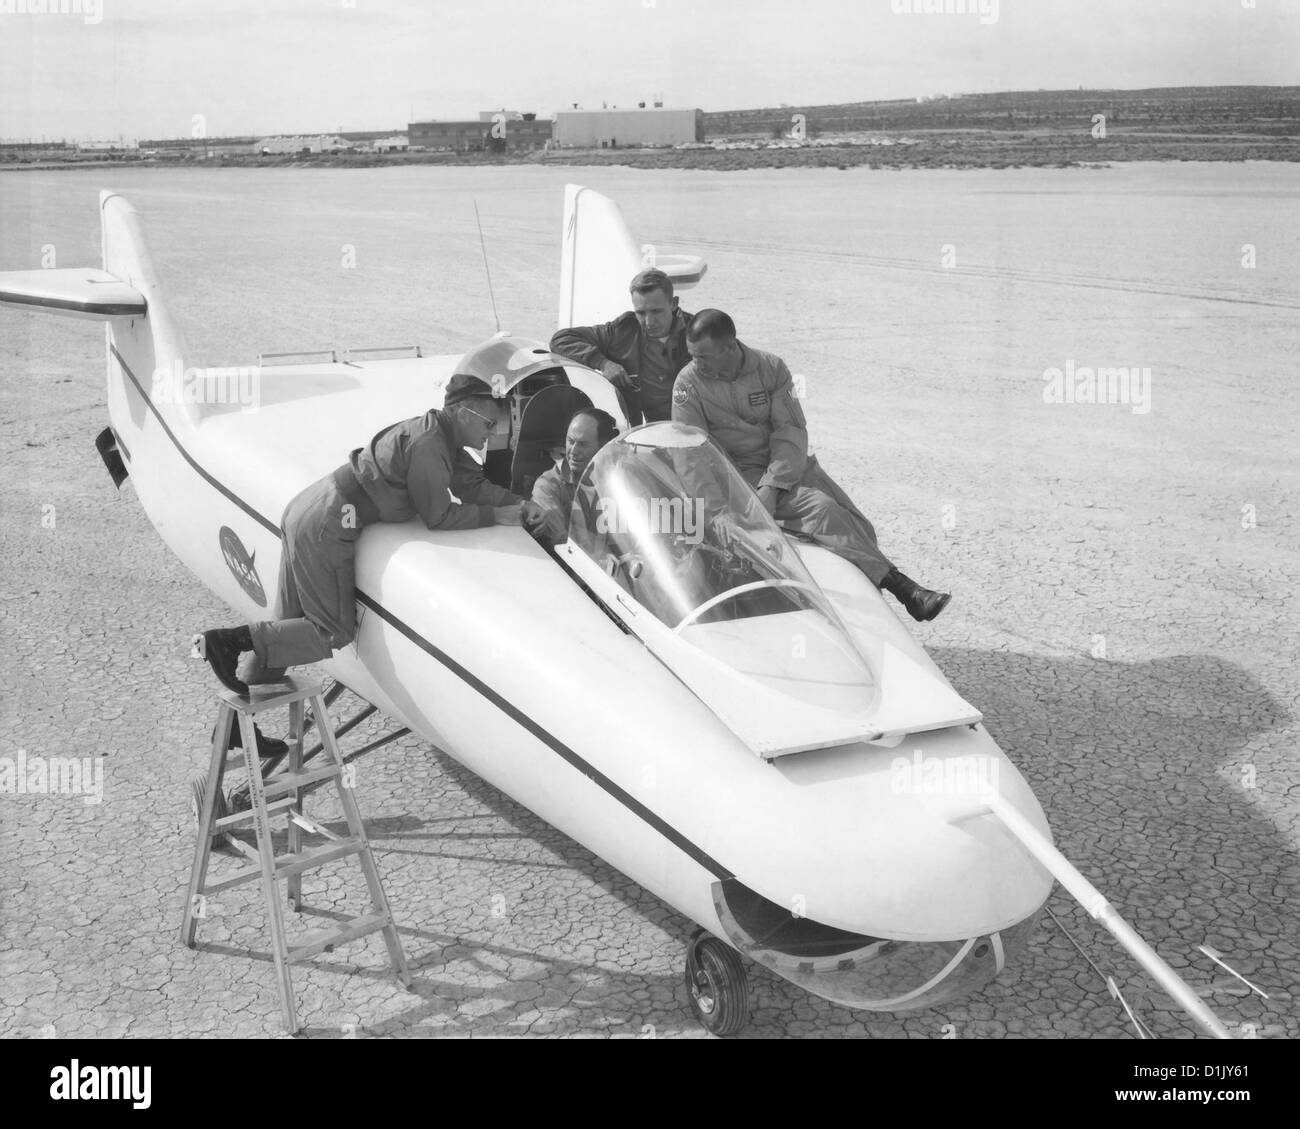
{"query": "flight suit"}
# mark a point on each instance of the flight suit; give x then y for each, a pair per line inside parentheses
(757, 420)
(554, 491)
(654, 364)
(409, 468)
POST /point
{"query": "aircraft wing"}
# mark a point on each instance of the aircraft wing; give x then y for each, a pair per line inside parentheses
(79, 292)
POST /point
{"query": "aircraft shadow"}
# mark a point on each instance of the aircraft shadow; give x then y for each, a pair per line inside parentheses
(1139, 768)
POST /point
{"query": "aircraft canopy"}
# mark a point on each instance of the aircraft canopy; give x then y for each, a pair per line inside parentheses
(664, 513)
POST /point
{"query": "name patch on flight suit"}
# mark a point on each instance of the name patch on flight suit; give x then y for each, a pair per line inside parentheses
(757, 399)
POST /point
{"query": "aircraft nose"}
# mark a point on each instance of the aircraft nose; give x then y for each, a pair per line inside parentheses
(872, 973)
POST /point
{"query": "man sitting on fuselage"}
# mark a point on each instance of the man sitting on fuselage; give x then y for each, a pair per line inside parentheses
(745, 400)
(639, 352)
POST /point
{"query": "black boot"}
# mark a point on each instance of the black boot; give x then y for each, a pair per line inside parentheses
(266, 746)
(222, 648)
(922, 604)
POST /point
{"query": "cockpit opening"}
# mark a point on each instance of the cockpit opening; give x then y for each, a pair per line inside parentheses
(532, 380)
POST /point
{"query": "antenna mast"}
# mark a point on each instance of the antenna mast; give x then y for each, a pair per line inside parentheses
(486, 270)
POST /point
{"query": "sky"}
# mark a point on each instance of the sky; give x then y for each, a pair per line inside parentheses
(135, 69)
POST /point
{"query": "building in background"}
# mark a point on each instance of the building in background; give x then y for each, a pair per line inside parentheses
(198, 148)
(118, 146)
(480, 136)
(619, 129)
(315, 143)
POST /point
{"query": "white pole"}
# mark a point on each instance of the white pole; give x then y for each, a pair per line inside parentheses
(1088, 896)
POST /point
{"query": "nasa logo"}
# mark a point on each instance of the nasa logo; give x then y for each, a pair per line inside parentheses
(241, 565)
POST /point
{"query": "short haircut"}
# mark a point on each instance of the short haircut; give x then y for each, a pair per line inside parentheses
(651, 280)
(713, 324)
(606, 425)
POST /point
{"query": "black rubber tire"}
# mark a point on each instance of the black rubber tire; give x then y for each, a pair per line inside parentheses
(717, 987)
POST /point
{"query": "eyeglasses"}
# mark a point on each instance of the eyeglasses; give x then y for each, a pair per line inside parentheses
(486, 419)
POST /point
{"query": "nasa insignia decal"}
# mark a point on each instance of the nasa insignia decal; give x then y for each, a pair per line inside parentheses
(241, 564)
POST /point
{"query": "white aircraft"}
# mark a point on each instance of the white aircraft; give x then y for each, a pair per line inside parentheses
(732, 717)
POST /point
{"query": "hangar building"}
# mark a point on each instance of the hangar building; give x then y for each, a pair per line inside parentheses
(616, 129)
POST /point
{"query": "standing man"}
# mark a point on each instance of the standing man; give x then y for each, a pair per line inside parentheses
(407, 469)
(589, 430)
(745, 400)
(640, 352)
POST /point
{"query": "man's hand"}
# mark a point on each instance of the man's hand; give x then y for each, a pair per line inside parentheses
(616, 374)
(768, 495)
(531, 513)
(507, 515)
(555, 526)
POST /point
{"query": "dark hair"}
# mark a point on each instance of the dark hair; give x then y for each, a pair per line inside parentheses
(713, 324)
(650, 280)
(606, 425)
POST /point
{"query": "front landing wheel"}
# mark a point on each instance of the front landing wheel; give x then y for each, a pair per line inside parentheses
(717, 985)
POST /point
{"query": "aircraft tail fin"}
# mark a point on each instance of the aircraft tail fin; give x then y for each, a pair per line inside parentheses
(139, 347)
(599, 258)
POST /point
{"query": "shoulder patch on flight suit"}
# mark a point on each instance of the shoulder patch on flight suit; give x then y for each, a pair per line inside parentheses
(757, 399)
(680, 394)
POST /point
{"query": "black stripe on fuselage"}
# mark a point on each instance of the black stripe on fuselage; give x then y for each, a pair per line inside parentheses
(229, 494)
(518, 716)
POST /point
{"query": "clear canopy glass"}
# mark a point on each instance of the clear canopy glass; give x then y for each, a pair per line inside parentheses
(663, 512)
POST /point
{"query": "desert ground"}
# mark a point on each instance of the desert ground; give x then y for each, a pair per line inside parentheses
(1124, 579)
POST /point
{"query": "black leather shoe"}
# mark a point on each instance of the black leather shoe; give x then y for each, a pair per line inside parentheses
(222, 650)
(266, 746)
(923, 605)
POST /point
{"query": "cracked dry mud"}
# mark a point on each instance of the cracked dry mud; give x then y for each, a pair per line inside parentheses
(1124, 611)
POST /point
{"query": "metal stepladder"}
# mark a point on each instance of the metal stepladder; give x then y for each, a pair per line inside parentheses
(282, 794)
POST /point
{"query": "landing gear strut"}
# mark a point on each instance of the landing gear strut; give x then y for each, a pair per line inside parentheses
(717, 985)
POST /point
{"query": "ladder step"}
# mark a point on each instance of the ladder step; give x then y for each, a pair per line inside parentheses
(226, 822)
(289, 781)
(357, 927)
(286, 865)
(268, 696)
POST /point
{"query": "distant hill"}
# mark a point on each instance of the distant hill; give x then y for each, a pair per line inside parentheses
(1267, 111)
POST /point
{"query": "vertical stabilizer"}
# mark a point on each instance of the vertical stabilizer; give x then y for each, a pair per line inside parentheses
(598, 259)
(144, 345)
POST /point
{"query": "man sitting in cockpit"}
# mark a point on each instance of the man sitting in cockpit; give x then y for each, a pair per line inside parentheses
(589, 430)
